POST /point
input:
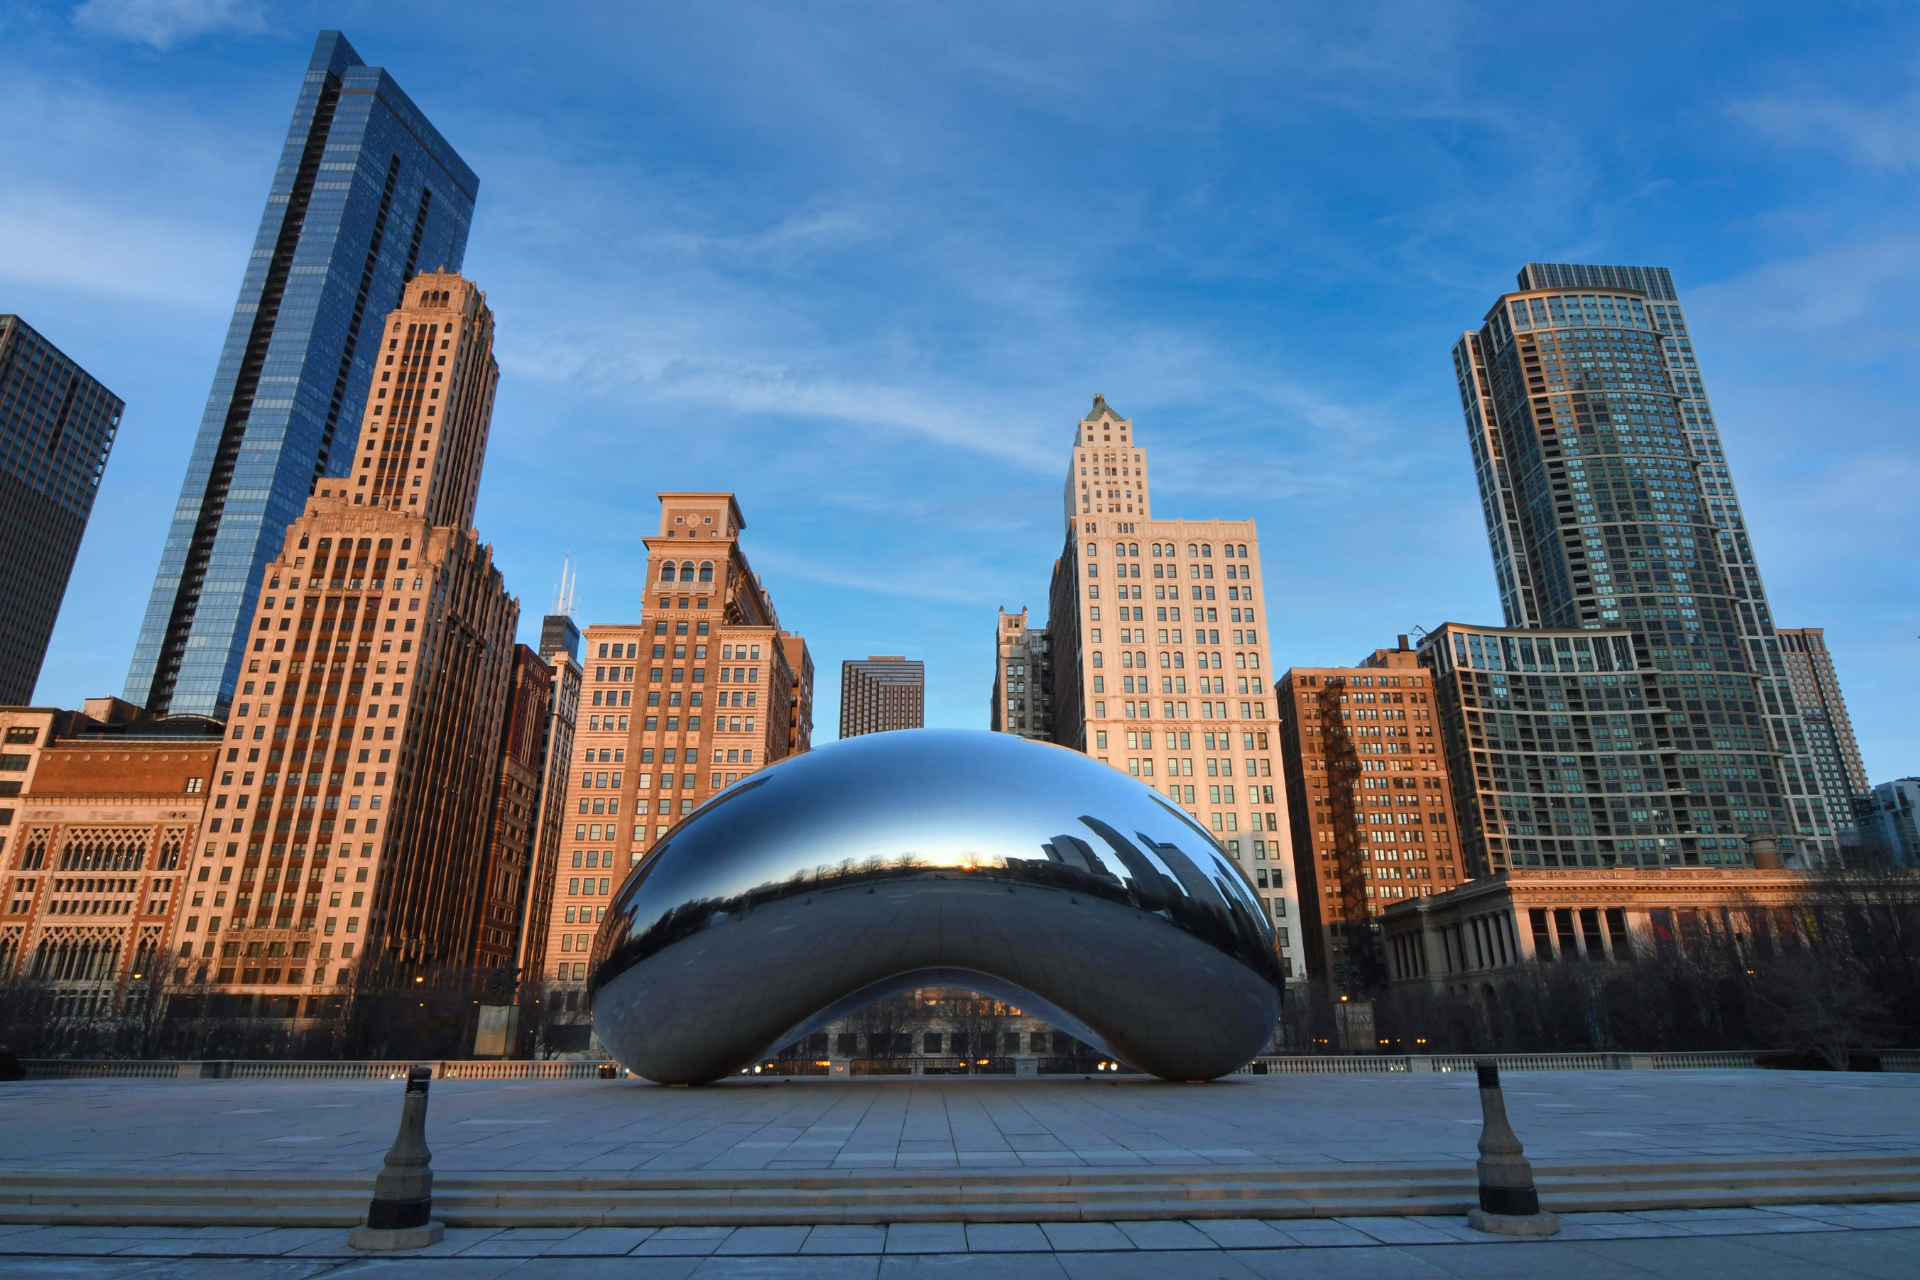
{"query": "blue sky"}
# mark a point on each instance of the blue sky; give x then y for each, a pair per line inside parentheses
(866, 264)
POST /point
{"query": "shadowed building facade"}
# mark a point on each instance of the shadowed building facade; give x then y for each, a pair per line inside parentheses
(1372, 808)
(1170, 695)
(881, 694)
(1609, 506)
(560, 649)
(366, 194)
(57, 425)
(1021, 679)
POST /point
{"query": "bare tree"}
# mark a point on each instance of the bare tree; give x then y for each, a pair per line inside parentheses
(1825, 1009)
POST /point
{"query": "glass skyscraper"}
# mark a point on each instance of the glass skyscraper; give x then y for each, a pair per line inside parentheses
(56, 427)
(367, 194)
(1608, 505)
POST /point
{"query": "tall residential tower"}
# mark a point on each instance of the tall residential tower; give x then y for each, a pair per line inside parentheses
(56, 425)
(367, 194)
(1608, 505)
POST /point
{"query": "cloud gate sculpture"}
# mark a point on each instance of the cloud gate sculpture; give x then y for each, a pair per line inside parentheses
(935, 857)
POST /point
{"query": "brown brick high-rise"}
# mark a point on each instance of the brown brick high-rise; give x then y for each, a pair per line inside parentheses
(1373, 813)
(367, 734)
(883, 693)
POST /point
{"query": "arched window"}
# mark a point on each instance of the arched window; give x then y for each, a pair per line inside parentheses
(686, 571)
(1229, 549)
(1165, 661)
(1206, 549)
(1193, 550)
(1096, 658)
(1126, 658)
(1253, 660)
(666, 572)
(1243, 551)
(706, 571)
(1133, 549)
(1179, 659)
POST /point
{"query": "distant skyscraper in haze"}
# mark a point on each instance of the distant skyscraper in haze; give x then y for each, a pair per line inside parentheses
(1823, 711)
(1608, 504)
(880, 694)
(366, 195)
(56, 426)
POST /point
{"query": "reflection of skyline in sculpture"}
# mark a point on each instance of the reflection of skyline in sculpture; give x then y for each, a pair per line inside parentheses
(936, 857)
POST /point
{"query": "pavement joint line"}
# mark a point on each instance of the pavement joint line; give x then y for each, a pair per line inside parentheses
(1370, 1243)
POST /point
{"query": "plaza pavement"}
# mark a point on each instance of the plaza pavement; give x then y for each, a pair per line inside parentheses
(237, 1126)
(1810, 1242)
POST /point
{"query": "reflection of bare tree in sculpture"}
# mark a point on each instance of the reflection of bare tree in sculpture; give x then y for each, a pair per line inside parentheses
(887, 1027)
(977, 1026)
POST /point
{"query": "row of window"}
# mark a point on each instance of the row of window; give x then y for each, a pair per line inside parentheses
(1195, 550)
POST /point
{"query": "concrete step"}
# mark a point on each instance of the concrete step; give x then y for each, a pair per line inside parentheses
(762, 1197)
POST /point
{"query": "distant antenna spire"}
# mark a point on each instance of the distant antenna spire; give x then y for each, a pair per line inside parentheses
(563, 595)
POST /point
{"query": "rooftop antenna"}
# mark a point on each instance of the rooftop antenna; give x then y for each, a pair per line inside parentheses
(563, 596)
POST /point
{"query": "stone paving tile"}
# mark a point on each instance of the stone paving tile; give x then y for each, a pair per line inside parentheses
(790, 1267)
(1242, 1233)
(1374, 1262)
(1165, 1235)
(1395, 1230)
(689, 1242)
(1888, 1255)
(598, 1242)
(1005, 1237)
(1691, 1257)
(586, 1269)
(845, 1240)
(1084, 1237)
(967, 1266)
(927, 1237)
(763, 1240)
(1155, 1266)
(516, 1242)
(1323, 1233)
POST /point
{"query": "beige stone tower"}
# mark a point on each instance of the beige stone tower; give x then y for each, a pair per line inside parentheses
(1157, 638)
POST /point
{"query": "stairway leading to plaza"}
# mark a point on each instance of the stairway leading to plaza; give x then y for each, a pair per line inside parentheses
(1085, 1194)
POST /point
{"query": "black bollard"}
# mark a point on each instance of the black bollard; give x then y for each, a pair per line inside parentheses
(400, 1215)
(1509, 1204)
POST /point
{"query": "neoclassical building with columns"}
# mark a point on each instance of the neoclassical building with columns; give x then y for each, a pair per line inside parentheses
(1459, 941)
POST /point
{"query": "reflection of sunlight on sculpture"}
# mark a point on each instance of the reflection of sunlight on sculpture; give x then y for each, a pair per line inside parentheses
(935, 858)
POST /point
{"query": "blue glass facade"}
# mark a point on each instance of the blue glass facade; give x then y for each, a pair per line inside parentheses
(367, 194)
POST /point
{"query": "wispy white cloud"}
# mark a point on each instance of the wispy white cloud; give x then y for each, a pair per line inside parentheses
(1851, 299)
(1882, 135)
(60, 241)
(165, 23)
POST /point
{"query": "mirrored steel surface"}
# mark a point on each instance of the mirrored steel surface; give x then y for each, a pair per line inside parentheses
(935, 857)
